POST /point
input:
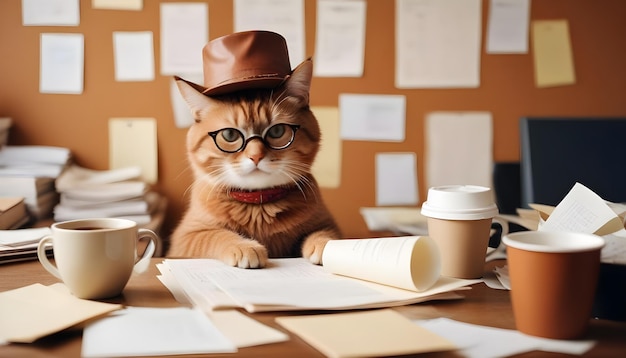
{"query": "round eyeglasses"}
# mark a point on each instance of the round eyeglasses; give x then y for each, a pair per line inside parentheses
(232, 140)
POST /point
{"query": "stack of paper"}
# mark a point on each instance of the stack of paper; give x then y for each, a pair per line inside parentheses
(296, 284)
(29, 171)
(88, 193)
(13, 213)
(21, 244)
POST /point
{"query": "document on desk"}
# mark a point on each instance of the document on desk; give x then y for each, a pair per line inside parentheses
(359, 334)
(293, 284)
(31, 312)
(141, 331)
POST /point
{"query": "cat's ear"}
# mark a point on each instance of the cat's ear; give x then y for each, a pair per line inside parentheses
(196, 101)
(299, 83)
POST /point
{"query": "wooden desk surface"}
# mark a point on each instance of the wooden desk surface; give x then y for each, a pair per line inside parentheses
(481, 305)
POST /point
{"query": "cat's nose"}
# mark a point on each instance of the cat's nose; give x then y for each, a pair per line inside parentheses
(255, 150)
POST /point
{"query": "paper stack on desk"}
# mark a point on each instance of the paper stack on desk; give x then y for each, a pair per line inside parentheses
(29, 171)
(296, 284)
(21, 244)
(89, 193)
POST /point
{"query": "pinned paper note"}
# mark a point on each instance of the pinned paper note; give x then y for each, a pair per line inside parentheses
(340, 38)
(285, 17)
(132, 142)
(552, 53)
(396, 179)
(117, 4)
(134, 56)
(184, 31)
(50, 12)
(62, 63)
(327, 165)
(459, 148)
(438, 43)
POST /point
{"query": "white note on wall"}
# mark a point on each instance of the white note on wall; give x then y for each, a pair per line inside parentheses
(183, 117)
(184, 32)
(134, 56)
(507, 29)
(396, 179)
(133, 142)
(459, 148)
(438, 43)
(285, 17)
(50, 12)
(372, 117)
(340, 38)
(61, 68)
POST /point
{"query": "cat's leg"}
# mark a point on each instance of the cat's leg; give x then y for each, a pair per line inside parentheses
(224, 245)
(313, 245)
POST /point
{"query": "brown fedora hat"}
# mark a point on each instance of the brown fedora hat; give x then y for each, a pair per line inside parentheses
(244, 60)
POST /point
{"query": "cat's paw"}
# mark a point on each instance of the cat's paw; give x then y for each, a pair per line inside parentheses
(246, 255)
(313, 248)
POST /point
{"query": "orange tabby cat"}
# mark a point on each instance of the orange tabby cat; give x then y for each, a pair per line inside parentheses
(258, 202)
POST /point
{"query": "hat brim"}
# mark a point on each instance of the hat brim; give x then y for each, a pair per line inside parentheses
(237, 85)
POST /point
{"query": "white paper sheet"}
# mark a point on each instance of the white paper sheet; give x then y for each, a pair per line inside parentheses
(459, 148)
(372, 117)
(490, 342)
(183, 117)
(142, 331)
(50, 12)
(507, 28)
(134, 56)
(340, 38)
(184, 32)
(285, 17)
(396, 179)
(438, 43)
(61, 63)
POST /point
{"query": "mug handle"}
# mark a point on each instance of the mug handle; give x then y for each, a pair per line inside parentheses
(43, 257)
(141, 263)
(500, 251)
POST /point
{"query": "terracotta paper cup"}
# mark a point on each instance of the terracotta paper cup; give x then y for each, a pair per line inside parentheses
(553, 281)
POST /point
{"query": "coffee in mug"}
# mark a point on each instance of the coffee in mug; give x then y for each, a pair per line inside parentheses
(95, 257)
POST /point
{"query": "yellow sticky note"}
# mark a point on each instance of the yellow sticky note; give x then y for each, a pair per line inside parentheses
(327, 165)
(552, 52)
(133, 142)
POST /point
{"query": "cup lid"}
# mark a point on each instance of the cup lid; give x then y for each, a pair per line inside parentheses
(459, 202)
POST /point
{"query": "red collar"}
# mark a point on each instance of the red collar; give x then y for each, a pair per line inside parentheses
(262, 196)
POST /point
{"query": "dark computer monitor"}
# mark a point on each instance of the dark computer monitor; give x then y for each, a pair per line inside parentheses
(558, 152)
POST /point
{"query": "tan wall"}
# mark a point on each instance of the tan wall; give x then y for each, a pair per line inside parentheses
(507, 90)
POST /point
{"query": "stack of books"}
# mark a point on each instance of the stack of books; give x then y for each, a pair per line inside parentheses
(13, 213)
(29, 171)
(88, 193)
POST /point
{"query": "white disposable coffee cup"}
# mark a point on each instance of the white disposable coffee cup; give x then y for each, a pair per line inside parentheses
(459, 221)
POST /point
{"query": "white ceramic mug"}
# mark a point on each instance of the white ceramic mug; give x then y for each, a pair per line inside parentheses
(95, 257)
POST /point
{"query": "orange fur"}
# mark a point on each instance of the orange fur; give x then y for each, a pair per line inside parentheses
(244, 234)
